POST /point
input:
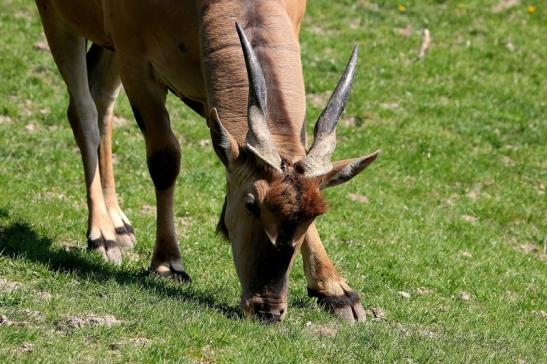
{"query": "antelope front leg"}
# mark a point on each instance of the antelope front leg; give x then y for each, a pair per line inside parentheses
(147, 98)
(324, 282)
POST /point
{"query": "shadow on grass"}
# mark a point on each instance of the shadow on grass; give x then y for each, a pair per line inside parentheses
(20, 241)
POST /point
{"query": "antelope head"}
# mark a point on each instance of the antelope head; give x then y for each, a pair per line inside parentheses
(271, 201)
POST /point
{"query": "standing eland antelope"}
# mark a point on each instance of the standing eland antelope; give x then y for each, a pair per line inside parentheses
(248, 84)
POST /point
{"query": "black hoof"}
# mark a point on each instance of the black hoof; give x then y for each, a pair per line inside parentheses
(175, 272)
(108, 249)
(125, 235)
(347, 307)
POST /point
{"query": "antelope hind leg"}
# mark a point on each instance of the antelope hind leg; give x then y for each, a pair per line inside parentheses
(69, 52)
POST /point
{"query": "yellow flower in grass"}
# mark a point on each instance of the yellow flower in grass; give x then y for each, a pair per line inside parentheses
(402, 8)
(531, 9)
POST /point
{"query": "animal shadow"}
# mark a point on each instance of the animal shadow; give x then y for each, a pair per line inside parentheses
(19, 241)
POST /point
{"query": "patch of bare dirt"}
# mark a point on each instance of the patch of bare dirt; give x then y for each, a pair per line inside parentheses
(26, 108)
(358, 198)
(9, 286)
(474, 193)
(404, 295)
(422, 291)
(452, 199)
(528, 248)
(503, 5)
(355, 23)
(511, 296)
(540, 314)
(75, 322)
(322, 330)
(6, 321)
(376, 313)
(4, 119)
(510, 46)
(25, 348)
(534, 249)
(139, 341)
(464, 296)
(404, 32)
(531, 289)
(466, 254)
(44, 295)
(507, 161)
(34, 315)
(470, 219)
(390, 105)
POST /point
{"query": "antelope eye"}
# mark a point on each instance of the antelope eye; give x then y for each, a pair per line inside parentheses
(251, 205)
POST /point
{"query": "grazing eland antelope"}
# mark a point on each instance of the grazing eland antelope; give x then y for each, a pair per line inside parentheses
(247, 82)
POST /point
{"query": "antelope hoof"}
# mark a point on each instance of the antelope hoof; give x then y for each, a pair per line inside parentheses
(125, 235)
(171, 270)
(106, 248)
(347, 307)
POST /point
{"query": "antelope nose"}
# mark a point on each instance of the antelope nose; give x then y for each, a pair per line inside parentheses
(269, 317)
(267, 310)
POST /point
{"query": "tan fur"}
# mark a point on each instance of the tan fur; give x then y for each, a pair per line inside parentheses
(268, 26)
(191, 48)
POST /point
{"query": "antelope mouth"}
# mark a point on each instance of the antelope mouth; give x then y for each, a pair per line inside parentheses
(267, 310)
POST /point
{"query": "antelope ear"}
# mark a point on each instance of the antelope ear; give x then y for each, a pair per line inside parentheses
(224, 143)
(343, 171)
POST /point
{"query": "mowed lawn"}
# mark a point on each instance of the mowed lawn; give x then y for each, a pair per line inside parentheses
(444, 236)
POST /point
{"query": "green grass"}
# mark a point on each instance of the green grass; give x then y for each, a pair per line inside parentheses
(456, 203)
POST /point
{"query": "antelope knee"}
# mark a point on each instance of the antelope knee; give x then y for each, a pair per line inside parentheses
(164, 166)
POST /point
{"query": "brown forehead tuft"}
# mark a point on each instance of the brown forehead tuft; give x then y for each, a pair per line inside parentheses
(293, 197)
